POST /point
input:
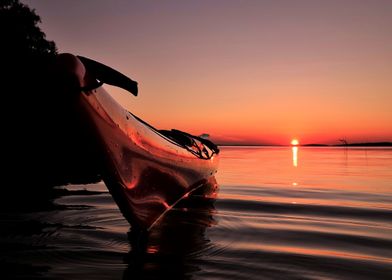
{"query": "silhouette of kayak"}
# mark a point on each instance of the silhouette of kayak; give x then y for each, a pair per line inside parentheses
(147, 171)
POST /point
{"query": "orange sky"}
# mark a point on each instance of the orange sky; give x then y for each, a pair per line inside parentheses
(242, 71)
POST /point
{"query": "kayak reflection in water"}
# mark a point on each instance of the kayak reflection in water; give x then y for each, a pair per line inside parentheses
(172, 248)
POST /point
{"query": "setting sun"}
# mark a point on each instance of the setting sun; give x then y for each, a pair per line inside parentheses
(294, 142)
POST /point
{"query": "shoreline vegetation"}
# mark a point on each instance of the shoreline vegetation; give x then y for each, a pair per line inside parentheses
(365, 144)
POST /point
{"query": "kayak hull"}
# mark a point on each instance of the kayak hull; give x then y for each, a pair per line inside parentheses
(145, 171)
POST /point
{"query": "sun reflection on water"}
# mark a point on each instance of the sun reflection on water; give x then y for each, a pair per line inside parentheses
(295, 156)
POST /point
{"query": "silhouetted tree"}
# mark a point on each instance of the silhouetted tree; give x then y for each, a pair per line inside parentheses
(19, 31)
(24, 50)
(45, 136)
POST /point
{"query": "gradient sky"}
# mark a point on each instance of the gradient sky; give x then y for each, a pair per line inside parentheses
(242, 71)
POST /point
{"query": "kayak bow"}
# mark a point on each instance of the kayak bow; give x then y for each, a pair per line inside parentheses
(147, 171)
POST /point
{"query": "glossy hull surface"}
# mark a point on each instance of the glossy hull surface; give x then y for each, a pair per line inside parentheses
(146, 172)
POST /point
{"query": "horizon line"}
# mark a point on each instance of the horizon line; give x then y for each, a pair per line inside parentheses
(358, 144)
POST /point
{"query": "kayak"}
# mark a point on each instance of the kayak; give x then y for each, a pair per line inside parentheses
(147, 171)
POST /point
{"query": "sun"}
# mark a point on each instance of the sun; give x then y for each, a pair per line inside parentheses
(294, 142)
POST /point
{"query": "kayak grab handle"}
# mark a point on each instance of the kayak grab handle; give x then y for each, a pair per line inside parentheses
(108, 75)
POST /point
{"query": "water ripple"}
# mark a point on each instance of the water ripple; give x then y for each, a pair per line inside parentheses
(359, 213)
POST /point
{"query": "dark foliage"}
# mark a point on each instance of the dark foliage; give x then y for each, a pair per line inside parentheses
(46, 139)
(20, 32)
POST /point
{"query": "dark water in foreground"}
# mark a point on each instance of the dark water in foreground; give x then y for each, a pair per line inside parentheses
(281, 213)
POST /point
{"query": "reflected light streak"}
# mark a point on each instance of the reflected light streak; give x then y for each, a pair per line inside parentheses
(311, 251)
(295, 156)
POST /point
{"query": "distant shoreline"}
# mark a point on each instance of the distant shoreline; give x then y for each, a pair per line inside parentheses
(369, 144)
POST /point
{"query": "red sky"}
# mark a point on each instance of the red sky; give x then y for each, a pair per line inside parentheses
(242, 71)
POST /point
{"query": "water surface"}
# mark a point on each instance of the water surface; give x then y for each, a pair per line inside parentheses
(281, 213)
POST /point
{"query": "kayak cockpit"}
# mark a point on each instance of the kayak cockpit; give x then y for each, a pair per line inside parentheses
(200, 147)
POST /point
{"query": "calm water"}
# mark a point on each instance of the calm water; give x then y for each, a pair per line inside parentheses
(281, 213)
